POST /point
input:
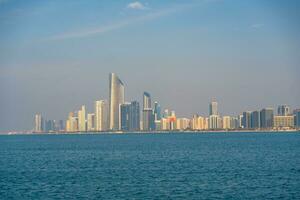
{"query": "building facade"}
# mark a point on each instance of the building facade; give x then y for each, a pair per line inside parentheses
(116, 98)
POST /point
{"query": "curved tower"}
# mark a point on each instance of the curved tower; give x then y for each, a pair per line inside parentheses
(116, 98)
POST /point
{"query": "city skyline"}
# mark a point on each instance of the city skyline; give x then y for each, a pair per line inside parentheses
(123, 115)
(55, 56)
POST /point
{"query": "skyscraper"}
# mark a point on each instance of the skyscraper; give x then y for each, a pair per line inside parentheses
(246, 122)
(134, 116)
(90, 121)
(226, 122)
(101, 115)
(297, 118)
(214, 122)
(116, 98)
(157, 111)
(146, 100)
(148, 118)
(266, 117)
(283, 110)
(130, 116)
(124, 116)
(82, 119)
(255, 119)
(39, 123)
(213, 108)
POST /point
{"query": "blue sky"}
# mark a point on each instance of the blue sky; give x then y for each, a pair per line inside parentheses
(56, 55)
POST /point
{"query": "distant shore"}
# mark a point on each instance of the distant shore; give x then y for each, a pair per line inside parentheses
(152, 132)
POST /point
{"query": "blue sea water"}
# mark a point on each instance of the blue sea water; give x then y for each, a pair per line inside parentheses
(151, 166)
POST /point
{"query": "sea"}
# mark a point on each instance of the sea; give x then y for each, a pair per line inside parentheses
(236, 165)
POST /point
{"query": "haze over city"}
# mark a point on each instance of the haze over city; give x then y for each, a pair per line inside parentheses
(56, 56)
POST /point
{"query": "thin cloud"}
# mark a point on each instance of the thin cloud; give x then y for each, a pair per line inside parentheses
(119, 25)
(136, 6)
(257, 26)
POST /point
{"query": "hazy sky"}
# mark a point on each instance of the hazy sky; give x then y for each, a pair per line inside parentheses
(56, 55)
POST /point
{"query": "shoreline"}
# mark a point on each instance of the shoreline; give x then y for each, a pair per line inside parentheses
(149, 132)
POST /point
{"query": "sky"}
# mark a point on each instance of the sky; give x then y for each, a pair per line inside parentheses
(56, 55)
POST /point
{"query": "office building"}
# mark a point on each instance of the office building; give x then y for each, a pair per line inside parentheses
(39, 123)
(213, 108)
(182, 124)
(246, 122)
(134, 116)
(116, 98)
(227, 122)
(101, 115)
(255, 119)
(148, 116)
(82, 119)
(266, 118)
(90, 121)
(157, 111)
(284, 121)
(124, 116)
(214, 122)
(283, 110)
(297, 118)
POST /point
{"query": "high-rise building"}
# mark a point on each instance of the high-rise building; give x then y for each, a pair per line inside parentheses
(116, 98)
(246, 122)
(148, 120)
(146, 100)
(266, 117)
(234, 123)
(82, 119)
(148, 117)
(39, 123)
(182, 124)
(124, 116)
(227, 122)
(91, 121)
(49, 125)
(130, 116)
(157, 111)
(101, 115)
(297, 118)
(255, 119)
(240, 118)
(283, 110)
(214, 122)
(134, 116)
(213, 108)
(197, 123)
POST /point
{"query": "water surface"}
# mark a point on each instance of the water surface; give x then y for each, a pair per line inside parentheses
(151, 166)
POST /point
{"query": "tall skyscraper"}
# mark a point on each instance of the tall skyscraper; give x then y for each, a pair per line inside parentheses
(214, 121)
(82, 119)
(255, 119)
(39, 123)
(246, 119)
(266, 117)
(226, 122)
(157, 111)
(90, 121)
(134, 116)
(213, 108)
(146, 100)
(283, 110)
(130, 116)
(297, 118)
(124, 116)
(148, 118)
(116, 98)
(101, 115)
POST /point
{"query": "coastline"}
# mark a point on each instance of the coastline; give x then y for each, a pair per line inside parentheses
(152, 132)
